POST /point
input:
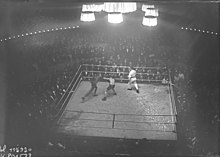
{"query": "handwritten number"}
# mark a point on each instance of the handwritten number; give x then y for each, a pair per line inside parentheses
(25, 149)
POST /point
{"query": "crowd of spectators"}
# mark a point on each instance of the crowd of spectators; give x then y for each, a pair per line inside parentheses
(120, 73)
(59, 61)
(34, 103)
(96, 48)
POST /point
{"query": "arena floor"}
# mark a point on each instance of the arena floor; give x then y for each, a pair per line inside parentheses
(128, 114)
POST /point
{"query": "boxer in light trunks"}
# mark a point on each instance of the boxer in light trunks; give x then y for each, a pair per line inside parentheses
(110, 87)
(132, 79)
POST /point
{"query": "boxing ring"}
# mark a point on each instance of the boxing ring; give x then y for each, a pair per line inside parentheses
(151, 114)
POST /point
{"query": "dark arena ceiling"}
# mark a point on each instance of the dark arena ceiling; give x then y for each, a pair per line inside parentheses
(200, 14)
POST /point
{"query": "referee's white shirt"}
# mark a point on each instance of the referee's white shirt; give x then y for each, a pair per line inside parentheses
(132, 73)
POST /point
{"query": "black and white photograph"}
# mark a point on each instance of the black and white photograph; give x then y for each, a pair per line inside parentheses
(109, 78)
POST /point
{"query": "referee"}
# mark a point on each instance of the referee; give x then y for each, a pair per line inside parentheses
(132, 79)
